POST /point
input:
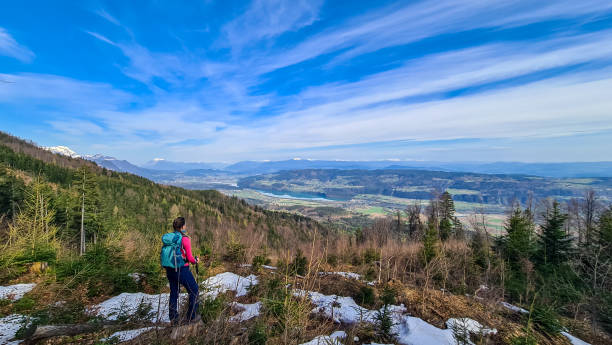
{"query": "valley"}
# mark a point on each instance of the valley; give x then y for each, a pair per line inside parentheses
(356, 197)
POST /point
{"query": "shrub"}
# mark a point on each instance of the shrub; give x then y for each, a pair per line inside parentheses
(299, 265)
(71, 311)
(211, 308)
(260, 260)
(24, 304)
(370, 255)
(370, 273)
(527, 339)
(388, 295)
(545, 319)
(234, 251)
(332, 260)
(365, 296)
(258, 334)
(384, 324)
(101, 268)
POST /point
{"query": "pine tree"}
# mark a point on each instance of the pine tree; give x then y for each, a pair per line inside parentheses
(447, 215)
(458, 228)
(32, 236)
(447, 206)
(430, 243)
(446, 229)
(555, 245)
(480, 248)
(518, 243)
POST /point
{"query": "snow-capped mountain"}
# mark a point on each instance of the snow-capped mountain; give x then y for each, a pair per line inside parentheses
(62, 150)
(112, 163)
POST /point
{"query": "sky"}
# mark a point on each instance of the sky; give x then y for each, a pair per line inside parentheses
(226, 81)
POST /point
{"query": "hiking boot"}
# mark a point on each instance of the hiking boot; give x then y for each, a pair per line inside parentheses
(196, 319)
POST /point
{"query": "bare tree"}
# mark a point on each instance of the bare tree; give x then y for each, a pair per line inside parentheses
(589, 210)
(415, 225)
(574, 220)
(478, 222)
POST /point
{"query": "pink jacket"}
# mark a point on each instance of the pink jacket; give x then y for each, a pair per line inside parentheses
(186, 250)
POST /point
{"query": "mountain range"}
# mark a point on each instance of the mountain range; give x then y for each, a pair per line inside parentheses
(164, 168)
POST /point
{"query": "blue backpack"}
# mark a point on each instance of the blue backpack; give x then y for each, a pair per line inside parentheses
(171, 255)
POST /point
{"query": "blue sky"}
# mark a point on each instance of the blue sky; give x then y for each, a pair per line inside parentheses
(271, 79)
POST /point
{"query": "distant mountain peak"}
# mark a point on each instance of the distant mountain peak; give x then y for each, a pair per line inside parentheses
(99, 156)
(62, 150)
(158, 159)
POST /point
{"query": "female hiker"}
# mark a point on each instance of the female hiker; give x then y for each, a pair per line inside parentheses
(175, 258)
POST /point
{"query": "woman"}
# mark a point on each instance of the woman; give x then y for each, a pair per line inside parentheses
(183, 276)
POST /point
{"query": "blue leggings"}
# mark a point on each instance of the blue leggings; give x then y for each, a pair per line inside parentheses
(185, 278)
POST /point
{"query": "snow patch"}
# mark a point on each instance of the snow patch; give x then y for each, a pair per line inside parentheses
(15, 292)
(128, 304)
(349, 275)
(249, 311)
(574, 340)
(269, 267)
(122, 336)
(463, 327)
(332, 339)
(223, 282)
(414, 331)
(409, 330)
(9, 326)
(338, 308)
(514, 308)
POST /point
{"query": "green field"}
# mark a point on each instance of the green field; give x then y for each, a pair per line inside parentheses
(369, 205)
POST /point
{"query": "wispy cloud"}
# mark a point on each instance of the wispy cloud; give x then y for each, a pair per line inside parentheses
(104, 14)
(68, 94)
(101, 37)
(267, 86)
(399, 25)
(10, 47)
(266, 19)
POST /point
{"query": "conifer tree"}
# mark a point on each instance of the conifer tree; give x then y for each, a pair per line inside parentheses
(480, 248)
(446, 229)
(430, 243)
(458, 228)
(32, 236)
(447, 215)
(555, 244)
(518, 244)
(447, 206)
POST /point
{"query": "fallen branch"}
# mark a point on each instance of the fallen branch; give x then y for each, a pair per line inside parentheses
(49, 331)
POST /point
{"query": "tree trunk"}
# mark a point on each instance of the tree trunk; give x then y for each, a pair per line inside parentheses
(48, 331)
(83, 223)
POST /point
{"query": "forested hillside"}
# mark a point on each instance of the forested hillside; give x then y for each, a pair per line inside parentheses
(124, 208)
